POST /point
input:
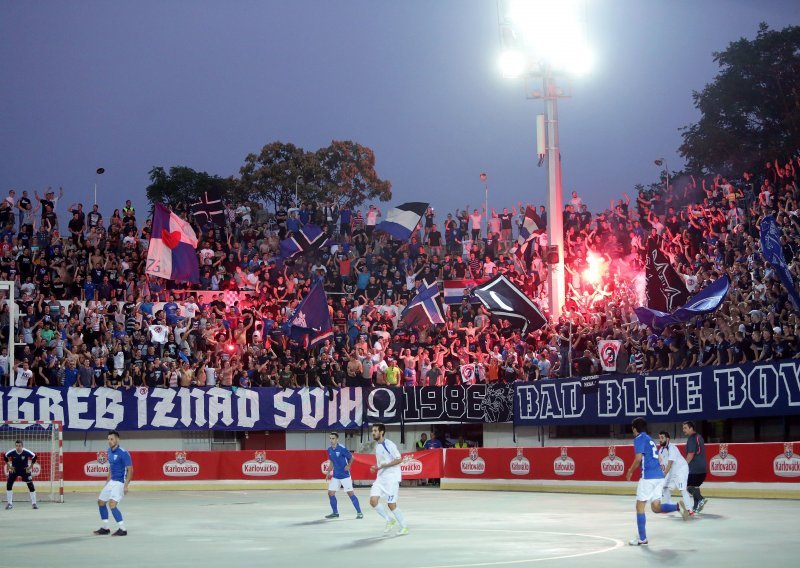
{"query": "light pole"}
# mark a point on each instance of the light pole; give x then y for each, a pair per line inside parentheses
(542, 39)
(663, 162)
(484, 179)
(98, 172)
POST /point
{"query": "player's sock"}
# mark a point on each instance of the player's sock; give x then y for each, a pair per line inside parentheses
(641, 522)
(668, 507)
(33, 497)
(104, 515)
(354, 499)
(332, 499)
(401, 519)
(10, 497)
(383, 512)
(118, 517)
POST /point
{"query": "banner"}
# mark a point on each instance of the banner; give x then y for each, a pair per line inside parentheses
(710, 393)
(772, 249)
(759, 463)
(473, 403)
(185, 408)
(608, 350)
(263, 465)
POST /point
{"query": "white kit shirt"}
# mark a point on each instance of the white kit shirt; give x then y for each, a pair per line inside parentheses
(384, 453)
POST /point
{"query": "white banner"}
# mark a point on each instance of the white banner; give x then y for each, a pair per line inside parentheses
(609, 349)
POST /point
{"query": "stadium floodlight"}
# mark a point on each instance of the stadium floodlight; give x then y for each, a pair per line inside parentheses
(542, 39)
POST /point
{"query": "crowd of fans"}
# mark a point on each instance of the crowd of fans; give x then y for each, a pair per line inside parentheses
(90, 316)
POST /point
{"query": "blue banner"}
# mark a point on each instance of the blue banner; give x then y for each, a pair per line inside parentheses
(185, 408)
(772, 249)
(708, 393)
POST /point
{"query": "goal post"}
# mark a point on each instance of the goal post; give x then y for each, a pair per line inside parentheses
(45, 439)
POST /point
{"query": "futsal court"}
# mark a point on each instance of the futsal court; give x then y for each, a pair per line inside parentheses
(448, 529)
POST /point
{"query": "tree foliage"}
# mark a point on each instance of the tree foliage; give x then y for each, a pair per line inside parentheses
(750, 113)
(343, 172)
(182, 186)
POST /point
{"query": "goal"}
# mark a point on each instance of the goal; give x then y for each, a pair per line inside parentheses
(44, 439)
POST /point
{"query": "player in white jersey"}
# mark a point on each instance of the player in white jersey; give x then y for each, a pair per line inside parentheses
(387, 482)
(676, 471)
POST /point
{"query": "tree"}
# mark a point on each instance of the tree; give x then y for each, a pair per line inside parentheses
(182, 186)
(350, 176)
(275, 172)
(751, 111)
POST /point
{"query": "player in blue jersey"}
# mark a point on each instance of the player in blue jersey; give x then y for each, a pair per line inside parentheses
(19, 464)
(651, 484)
(339, 462)
(120, 473)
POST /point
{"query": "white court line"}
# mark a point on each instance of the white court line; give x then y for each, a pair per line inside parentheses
(617, 544)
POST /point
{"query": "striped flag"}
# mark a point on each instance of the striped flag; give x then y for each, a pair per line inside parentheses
(402, 221)
(455, 290)
(530, 226)
(171, 253)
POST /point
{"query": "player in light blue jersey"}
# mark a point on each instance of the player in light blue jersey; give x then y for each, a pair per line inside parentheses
(340, 460)
(120, 473)
(651, 484)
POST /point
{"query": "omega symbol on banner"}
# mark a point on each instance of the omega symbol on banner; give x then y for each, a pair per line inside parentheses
(723, 464)
(563, 464)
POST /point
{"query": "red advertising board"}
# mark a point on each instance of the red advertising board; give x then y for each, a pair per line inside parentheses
(257, 465)
(761, 463)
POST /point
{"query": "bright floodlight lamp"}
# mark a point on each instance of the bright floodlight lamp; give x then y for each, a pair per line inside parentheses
(542, 38)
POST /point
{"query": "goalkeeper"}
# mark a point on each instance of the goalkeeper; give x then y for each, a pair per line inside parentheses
(19, 463)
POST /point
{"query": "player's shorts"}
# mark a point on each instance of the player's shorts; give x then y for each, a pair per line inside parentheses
(388, 488)
(649, 489)
(23, 475)
(677, 479)
(113, 491)
(345, 483)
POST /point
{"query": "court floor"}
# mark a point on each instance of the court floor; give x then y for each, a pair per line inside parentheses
(448, 529)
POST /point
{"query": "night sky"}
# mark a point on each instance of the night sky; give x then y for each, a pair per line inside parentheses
(132, 85)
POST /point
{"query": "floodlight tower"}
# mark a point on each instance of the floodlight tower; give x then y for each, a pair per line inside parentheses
(542, 39)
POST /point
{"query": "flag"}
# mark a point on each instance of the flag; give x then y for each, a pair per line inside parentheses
(402, 220)
(502, 298)
(308, 239)
(311, 319)
(665, 288)
(772, 250)
(704, 302)
(608, 350)
(468, 374)
(209, 208)
(425, 309)
(171, 253)
(455, 290)
(527, 231)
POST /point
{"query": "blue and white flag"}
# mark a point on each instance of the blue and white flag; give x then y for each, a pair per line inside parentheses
(772, 250)
(311, 319)
(308, 239)
(704, 302)
(425, 309)
(171, 253)
(401, 221)
(504, 300)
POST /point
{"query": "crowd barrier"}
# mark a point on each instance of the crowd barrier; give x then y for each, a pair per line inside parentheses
(749, 470)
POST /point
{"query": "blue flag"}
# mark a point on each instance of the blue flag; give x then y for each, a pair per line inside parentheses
(772, 250)
(401, 221)
(425, 309)
(311, 319)
(704, 302)
(308, 239)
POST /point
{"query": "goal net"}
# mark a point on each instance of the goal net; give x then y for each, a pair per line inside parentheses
(45, 440)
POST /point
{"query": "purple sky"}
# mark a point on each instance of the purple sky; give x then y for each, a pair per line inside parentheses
(130, 85)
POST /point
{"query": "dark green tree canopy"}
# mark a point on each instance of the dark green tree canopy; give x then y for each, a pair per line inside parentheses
(750, 113)
(182, 186)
